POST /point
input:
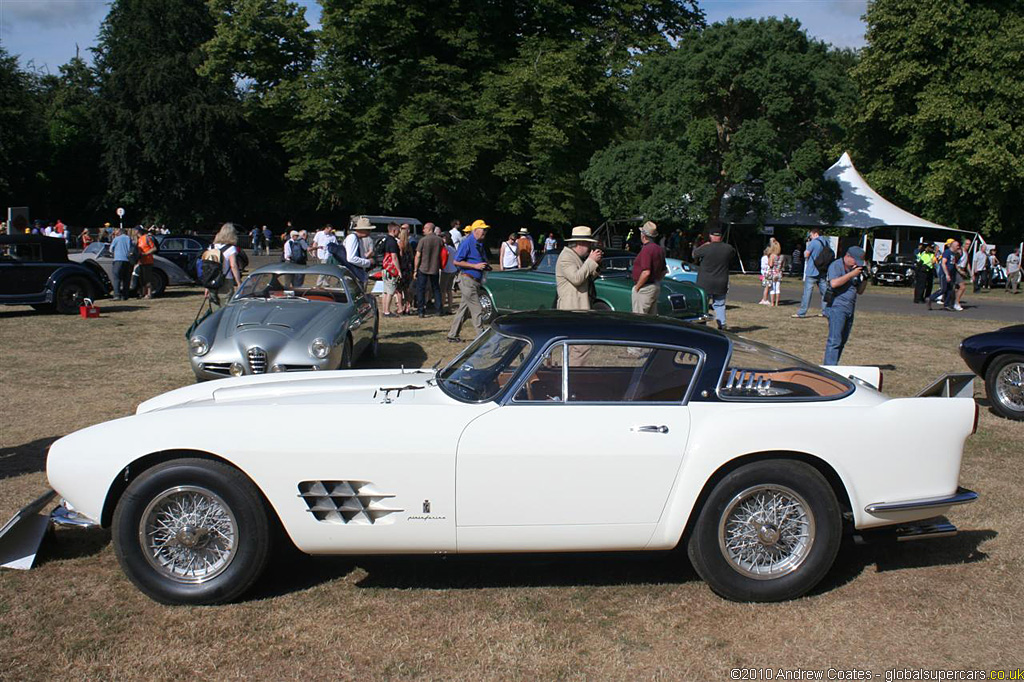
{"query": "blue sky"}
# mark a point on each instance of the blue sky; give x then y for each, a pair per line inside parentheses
(46, 32)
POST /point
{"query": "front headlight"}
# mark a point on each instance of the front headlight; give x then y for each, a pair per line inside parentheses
(319, 348)
(198, 345)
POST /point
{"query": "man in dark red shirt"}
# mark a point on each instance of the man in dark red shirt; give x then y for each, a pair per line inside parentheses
(648, 271)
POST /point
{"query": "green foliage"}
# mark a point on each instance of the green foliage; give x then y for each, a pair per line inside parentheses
(753, 104)
(467, 106)
(175, 144)
(940, 128)
(22, 140)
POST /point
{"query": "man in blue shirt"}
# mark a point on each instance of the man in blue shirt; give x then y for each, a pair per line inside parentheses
(121, 251)
(946, 268)
(812, 277)
(846, 279)
(471, 260)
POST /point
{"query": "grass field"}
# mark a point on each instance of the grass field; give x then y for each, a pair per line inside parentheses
(949, 603)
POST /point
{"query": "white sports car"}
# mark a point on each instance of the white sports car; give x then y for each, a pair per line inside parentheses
(552, 431)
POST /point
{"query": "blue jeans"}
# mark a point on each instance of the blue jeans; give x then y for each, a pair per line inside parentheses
(718, 304)
(423, 280)
(122, 274)
(840, 323)
(805, 299)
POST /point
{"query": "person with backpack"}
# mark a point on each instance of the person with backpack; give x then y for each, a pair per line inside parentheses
(220, 268)
(147, 250)
(295, 250)
(817, 258)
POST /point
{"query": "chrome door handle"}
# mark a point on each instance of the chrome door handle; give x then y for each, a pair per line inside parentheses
(650, 428)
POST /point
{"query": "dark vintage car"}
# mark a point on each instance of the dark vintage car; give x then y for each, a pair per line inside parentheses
(896, 269)
(183, 250)
(998, 357)
(35, 270)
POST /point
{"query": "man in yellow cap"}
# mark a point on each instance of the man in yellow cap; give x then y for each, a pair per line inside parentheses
(471, 260)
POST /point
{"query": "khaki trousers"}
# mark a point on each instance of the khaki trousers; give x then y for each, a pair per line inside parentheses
(645, 299)
(469, 307)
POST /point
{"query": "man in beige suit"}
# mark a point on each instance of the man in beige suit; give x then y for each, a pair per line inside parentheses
(576, 268)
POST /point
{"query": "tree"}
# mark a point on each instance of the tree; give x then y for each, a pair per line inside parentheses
(751, 105)
(70, 103)
(22, 142)
(471, 105)
(940, 128)
(176, 147)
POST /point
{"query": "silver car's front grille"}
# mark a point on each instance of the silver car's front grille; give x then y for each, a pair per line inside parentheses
(257, 360)
(347, 502)
(677, 301)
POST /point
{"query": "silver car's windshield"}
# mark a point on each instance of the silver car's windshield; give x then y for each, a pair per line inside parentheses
(484, 368)
(284, 285)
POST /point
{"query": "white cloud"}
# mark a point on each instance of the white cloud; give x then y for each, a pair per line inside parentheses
(51, 13)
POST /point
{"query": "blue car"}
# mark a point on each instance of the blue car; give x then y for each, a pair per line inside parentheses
(998, 357)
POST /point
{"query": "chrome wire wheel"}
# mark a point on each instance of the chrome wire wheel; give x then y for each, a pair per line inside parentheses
(486, 307)
(766, 532)
(188, 534)
(1010, 386)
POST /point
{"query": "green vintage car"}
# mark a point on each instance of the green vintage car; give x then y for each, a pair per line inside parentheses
(511, 290)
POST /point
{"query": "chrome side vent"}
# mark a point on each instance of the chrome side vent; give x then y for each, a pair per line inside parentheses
(677, 301)
(347, 502)
(257, 360)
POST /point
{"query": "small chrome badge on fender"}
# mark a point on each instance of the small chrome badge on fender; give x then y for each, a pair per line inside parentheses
(426, 506)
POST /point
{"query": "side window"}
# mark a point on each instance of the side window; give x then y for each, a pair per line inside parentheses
(629, 374)
(192, 245)
(545, 385)
(172, 244)
(612, 373)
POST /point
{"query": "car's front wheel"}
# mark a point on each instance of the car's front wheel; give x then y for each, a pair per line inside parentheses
(192, 531)
(346, 354)
(1004, 383)
(159, 283)
(769, 531)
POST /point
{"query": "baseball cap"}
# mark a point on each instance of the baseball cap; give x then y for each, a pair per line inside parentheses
(857, 254)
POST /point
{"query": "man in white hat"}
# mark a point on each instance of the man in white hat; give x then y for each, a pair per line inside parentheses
(358, 259)
(648, 270)
(576, 269)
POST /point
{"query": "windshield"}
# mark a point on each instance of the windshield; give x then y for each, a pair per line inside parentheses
(756, 371)
(484, 369)
(96, 247)
(312, 287)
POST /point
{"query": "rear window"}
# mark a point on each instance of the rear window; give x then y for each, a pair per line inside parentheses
(758, 372)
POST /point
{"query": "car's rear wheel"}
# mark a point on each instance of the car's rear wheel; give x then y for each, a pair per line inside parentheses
(487, 305)
(159, 284)
(1004, 383)
(601, 305)
(374, 349)
(192, 531)
(768, 531)
(70, 294)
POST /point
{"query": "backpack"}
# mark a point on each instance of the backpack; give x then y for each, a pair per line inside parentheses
(444, 257)
(210, 268)
(241, 260)
(298, 252)
(156, 246)
(825, 258)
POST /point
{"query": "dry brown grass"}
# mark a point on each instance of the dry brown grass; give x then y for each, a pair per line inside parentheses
(947, 603)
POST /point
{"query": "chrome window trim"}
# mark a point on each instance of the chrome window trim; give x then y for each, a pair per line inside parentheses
(509, 397)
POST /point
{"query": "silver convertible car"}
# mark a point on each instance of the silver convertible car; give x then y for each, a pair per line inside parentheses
(287, 318)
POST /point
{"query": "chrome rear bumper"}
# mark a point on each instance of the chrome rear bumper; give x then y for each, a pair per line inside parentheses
(962, 496)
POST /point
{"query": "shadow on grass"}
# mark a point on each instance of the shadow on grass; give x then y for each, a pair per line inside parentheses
(28, 458)
(853, 559)
(409, 355)
(297, 572)
(72, 543)
(744, 330)
(28, 312)
(120, 308)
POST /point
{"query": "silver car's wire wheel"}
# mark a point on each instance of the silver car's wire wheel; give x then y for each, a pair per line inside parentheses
(1010, 386)
(766, 532)
(188, 534)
